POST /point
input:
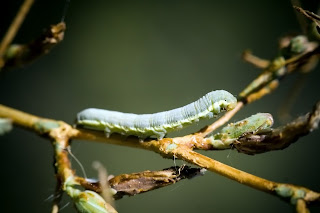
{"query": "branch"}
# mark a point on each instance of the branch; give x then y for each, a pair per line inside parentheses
(167, 147)
(287, 191)
(254, 60)
(104, 185)
(61, 133)
(18, 55)
(310, 15)
(14, 27)
(282, 137)
(301, 206)
(57, 198)
(302, 56)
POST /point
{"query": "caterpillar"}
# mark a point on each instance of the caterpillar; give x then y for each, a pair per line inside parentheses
(260, 122)
(158, 124)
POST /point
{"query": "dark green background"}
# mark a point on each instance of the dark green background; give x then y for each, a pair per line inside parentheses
(144, 57)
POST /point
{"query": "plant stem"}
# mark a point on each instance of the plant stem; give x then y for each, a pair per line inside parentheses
(14, 27)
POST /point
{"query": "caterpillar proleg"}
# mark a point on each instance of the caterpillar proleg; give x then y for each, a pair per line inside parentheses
(158, 124)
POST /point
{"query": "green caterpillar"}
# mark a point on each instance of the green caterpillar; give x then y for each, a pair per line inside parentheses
(229, 134)
(158, 124)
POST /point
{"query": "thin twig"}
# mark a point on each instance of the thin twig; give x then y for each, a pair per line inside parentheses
(267, 89)
(303, 57)
(248, 57)
(221, 121)
(18, 117)
(104, 184)
(57, 198)
(55, 208)
(310, 15)
(18, 55)
(14, 27)
(301, 206)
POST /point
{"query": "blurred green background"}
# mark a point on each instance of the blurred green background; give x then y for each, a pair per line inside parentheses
(145, 57)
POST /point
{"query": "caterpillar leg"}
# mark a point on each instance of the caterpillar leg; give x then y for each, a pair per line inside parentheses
(209, 115)
(159, 135)
(107, 132)
(216, 107)
(142, 138)
(181, 126)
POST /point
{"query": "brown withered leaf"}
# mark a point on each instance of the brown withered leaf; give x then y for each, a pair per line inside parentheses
(136, 183)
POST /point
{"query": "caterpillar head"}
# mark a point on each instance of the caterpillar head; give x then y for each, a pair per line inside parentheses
(231, 106)
(222, 99)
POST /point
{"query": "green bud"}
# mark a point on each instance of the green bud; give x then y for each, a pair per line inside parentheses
(13, 51)
(298, 44)
(89, 202)
(5, 126)
(284, 191)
